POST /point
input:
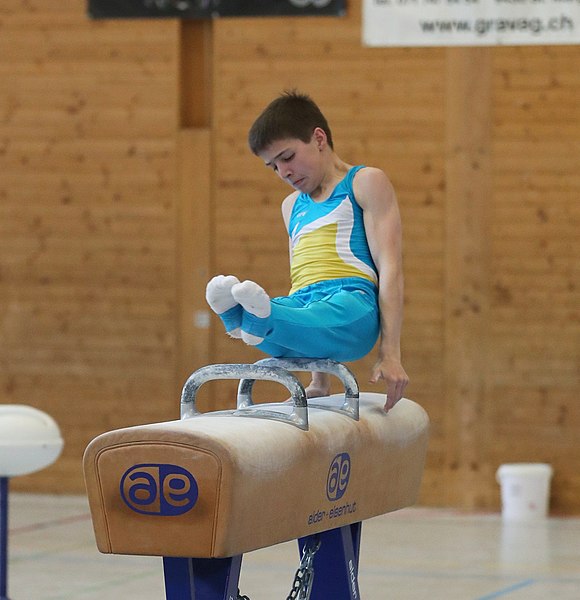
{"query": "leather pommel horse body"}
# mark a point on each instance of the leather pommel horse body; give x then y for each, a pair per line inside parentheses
(209, 487)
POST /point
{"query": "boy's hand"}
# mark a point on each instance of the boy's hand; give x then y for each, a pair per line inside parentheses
(390, 370)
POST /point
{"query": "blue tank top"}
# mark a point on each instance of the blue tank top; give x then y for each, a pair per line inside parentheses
(328, 239)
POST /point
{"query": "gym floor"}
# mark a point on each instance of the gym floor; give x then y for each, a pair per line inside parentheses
(413, 554)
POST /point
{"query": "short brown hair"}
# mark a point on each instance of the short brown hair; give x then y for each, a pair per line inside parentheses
(291, 115)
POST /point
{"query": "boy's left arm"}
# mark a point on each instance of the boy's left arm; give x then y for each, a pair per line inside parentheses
(382, 220)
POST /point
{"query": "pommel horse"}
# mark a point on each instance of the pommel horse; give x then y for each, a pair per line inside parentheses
(203, 490)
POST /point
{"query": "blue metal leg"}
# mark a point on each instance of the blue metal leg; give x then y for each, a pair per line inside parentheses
(356, 531)
(201, 578)
(336, 564)
(3, 538)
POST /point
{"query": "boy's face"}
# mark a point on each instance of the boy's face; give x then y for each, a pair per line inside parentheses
(297, 163)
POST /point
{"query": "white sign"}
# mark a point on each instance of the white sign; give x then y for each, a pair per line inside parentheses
(470, 22)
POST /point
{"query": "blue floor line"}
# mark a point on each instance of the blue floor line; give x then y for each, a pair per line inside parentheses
(508, 590)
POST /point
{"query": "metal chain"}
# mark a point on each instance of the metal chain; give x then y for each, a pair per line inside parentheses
(304, 578)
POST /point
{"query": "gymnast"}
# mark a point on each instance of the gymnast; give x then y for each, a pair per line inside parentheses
(345, 242)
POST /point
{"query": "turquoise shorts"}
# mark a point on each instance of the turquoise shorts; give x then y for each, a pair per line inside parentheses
(336, 319)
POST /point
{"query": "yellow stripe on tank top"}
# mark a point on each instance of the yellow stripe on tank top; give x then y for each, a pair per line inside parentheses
(315, 258)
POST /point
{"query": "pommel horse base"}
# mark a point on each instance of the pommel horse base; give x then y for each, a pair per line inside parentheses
(202, 490)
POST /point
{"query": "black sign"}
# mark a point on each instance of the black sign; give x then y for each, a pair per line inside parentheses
(204, 9)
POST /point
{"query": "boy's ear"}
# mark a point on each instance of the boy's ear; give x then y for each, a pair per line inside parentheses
(319, 136)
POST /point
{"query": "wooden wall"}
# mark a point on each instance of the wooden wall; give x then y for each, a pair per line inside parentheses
(125, 182)
(88, 118)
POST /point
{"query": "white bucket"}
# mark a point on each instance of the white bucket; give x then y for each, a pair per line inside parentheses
(525, 490)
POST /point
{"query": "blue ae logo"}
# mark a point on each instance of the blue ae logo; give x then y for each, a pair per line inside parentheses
(159, 489)
(338, 477)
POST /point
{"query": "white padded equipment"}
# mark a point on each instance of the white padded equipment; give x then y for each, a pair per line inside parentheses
(30, 440)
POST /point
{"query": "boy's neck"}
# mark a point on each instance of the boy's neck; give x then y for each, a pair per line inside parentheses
(334, 174)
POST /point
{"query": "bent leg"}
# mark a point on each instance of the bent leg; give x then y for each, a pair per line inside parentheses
(337, 319)
(342, 326)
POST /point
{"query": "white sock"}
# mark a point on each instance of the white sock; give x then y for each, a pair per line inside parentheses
(252, 297)
(218, 294)
(256, 302)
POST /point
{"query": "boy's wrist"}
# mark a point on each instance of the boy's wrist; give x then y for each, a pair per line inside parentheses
(389, 353)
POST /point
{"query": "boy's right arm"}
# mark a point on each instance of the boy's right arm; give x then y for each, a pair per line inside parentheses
(287, 206)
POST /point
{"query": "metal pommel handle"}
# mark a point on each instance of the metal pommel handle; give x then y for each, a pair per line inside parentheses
(237, 371)
(351, 389)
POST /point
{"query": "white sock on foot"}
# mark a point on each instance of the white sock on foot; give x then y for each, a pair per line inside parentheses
(256, 302)
(253, 298)
(218, 293)
(250, 339)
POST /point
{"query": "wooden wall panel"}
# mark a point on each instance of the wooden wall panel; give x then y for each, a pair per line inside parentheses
(535, 253)
(87, 223)
(194, 233)
(468, 226)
